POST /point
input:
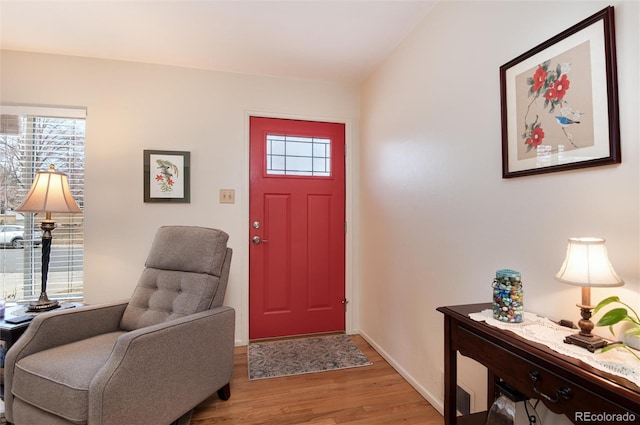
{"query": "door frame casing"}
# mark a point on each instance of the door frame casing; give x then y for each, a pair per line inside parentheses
(351, 202)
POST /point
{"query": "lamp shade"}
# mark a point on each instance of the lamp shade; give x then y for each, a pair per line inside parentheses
(49, 193)
(587, 264)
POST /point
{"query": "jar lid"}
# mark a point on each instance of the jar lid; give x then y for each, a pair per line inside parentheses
(507, 273)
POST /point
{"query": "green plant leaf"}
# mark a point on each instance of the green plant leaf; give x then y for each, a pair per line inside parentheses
(612, 346)
(632, 352)
(612, 317)
(606, 302)
(632, 332)
(619, 345)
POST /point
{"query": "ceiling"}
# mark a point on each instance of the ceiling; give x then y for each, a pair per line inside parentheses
(329, 40)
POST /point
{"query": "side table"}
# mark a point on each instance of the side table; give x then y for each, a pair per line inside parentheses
(10, 332)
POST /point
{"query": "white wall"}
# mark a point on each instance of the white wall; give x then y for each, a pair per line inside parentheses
(438, 219)
(132, 107)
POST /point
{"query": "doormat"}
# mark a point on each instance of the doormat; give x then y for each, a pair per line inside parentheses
(303, 355)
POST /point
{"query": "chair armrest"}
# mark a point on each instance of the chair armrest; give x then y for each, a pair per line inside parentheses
(54, 328)
(158, 373)
(51, 329)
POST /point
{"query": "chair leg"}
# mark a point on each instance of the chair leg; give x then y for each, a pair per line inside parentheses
(184, 419)
(225, 392)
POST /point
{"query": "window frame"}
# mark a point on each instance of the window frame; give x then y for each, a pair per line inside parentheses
(66, 271)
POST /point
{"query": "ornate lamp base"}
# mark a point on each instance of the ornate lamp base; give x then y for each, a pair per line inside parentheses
(43, 304)
(585, 338)
(591, 343)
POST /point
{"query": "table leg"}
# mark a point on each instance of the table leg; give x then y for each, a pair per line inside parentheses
(492, 391)
(450, 374)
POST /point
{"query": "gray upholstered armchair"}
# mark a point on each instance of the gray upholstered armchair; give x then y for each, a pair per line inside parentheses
(146, 361)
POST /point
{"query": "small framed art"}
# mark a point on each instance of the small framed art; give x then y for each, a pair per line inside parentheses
(167, 176)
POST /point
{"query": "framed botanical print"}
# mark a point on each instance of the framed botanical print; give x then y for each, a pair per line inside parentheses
(167, 176)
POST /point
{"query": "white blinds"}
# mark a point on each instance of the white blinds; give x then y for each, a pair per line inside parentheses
(31, 139)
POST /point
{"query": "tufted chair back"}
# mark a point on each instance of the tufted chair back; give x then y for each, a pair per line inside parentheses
(186, 272)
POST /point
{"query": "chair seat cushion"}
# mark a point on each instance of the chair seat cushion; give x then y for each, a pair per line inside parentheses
(57, 380)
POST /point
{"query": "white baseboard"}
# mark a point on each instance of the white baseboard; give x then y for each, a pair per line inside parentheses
(436, 402)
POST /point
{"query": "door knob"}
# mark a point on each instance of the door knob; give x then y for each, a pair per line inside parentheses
(257, 240)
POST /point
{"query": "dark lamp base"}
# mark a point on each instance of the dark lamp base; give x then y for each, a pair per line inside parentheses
(45, 306)
(591, 343)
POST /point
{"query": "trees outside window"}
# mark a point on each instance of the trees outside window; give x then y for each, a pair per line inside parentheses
(31, 139)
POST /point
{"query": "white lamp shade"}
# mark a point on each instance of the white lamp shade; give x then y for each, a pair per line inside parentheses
(587, 264)
(49, 193)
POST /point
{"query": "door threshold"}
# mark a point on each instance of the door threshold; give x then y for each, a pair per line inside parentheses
(288, 337)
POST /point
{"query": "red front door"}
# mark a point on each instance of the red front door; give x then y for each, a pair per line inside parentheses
(296, 228)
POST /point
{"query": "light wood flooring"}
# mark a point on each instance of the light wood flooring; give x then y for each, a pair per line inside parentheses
(367, 395)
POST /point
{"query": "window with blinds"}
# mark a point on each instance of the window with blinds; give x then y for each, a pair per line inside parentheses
(31, 139)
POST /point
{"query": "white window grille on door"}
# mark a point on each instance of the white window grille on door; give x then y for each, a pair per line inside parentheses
(298, 156)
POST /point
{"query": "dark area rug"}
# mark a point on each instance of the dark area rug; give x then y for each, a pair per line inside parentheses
(303, 355)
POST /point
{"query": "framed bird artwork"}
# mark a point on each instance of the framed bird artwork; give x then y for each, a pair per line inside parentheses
(559, 102)
(167, 176)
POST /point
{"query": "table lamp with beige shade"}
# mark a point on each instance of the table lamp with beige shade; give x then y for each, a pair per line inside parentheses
(587, 265)
(49, 194)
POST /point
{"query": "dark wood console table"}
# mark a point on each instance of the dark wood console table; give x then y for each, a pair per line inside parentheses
(565, 385)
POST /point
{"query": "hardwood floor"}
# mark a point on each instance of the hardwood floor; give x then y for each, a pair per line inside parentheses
(367, 395)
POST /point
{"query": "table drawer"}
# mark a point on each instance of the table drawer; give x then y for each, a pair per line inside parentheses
(537, 380)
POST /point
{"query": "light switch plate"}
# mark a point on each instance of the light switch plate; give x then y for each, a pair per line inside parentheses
(227, 196)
